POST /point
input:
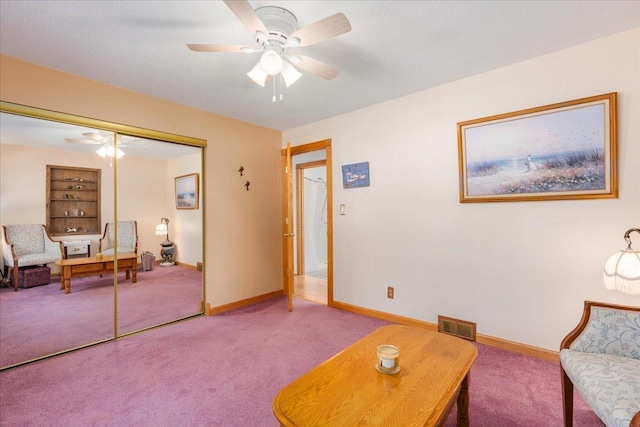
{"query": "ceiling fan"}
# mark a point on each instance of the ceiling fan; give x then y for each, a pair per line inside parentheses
(106, 140)
(276, 30)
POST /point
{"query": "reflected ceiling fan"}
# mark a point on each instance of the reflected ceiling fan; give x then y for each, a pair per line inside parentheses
(105, 139)
(276, 30)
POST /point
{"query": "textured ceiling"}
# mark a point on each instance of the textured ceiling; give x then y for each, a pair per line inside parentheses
(395, 47)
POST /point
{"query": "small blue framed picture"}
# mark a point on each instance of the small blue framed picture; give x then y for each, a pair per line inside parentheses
(355, 175)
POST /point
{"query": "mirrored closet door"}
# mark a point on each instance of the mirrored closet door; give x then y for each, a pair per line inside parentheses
(159, 197)
(100, 196)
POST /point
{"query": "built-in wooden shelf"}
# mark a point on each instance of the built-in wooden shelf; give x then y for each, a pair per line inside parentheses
(73, 200)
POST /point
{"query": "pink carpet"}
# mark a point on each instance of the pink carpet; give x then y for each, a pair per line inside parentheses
(43, 319)
(225, 371)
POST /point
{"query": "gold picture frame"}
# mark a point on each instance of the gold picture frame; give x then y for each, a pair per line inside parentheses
(187, 194)
(560, 151)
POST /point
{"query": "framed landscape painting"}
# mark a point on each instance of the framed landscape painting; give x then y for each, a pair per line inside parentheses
(554, 152)
(187, 191)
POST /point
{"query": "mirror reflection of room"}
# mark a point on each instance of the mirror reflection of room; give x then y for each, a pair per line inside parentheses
(58, 211)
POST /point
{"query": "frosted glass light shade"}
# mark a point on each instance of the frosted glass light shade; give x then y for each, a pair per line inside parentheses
(161, 230)
(110, 151)
(622, 272)
(289, 74)
(271, 63)
(258, 75)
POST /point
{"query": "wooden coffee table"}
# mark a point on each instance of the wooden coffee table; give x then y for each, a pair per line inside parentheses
(347, 390)
(93, 266)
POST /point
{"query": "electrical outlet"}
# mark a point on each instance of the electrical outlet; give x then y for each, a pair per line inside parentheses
(390, 292)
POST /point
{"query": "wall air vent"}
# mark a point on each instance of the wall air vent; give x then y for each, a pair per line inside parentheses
(457, 327)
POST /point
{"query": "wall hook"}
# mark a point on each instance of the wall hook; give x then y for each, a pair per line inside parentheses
(247, 184)
(241, 170)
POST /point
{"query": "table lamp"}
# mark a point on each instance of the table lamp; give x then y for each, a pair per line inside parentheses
(622, 269)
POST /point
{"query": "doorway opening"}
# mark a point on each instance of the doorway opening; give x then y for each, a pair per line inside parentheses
(311, 263)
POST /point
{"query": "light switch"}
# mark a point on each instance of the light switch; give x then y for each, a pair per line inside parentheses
(343, 209)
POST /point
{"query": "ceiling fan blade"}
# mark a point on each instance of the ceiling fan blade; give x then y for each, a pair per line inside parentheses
(316, 67)
(245, 13)
(94, 135)
(323, 29)
(217, 48)
(83, 141)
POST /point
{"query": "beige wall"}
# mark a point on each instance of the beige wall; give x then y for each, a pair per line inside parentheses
(242, 234)
(520, 270)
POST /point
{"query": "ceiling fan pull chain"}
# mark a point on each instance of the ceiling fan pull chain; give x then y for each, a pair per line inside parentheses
(281, 90)
(274, 90)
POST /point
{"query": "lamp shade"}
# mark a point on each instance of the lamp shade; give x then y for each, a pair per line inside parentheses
(271, 62)
(258, 75)
(289, 74)
(161, 230)
(622, 272)
(110, 151)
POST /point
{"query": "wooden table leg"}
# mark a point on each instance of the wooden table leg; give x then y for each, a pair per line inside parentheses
(66, 279)
(463, 403)
(134, 270)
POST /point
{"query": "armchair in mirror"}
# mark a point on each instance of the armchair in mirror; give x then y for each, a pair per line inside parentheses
(77, 203)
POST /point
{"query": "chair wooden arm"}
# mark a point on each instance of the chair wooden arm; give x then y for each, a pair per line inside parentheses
(635, 421)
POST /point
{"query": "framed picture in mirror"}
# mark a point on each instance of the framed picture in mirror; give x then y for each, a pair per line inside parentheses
(187, 191)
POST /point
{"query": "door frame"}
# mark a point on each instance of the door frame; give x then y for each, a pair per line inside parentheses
(324, 144)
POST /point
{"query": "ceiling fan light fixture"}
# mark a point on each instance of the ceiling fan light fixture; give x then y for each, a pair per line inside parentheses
(290, 74)
(110, 151)
(271, 62)
(261, 37)
(258, 75)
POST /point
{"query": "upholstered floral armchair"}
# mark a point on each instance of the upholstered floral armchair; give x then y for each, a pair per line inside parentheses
(25, 245)
(601, 359)
(127, 238)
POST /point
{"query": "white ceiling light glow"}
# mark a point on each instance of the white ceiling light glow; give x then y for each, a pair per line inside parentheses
(271, 63)
(110, 151)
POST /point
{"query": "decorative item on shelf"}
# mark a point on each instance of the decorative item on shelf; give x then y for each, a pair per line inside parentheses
(99, 255)
(241, 170)
(247, 184)
(168, 247)
(388, 359)
(72, 229)
(622, 269)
